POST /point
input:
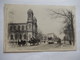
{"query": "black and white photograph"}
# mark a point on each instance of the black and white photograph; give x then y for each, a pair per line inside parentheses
(31, 28)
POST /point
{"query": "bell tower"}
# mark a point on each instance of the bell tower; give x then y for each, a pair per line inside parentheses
(29, 24)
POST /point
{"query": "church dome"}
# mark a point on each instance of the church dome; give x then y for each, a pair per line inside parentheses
(30, 11)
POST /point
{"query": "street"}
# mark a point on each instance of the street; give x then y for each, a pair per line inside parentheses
(44, 46)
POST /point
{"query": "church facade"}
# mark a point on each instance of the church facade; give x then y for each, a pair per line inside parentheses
(23, 31)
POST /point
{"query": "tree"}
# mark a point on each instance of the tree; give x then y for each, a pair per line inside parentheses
(68, 29)
(39, 35)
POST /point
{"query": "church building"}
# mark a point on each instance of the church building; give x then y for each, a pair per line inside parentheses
(23, 31)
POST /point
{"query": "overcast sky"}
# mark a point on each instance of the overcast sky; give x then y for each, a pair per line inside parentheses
(46, 22)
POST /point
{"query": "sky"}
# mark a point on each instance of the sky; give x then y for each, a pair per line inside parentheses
(46, 22)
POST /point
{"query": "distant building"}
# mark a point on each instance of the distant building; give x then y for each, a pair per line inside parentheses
(23, 31)
(52, 38)
(51, 35)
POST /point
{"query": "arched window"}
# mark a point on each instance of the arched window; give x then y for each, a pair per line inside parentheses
(20, 36)
(18, 27)
(29, 25)
(11, 37)
(22, 27)
(16, 36)
(24, 36)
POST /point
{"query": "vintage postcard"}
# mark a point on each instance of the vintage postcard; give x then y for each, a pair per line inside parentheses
(30, 28)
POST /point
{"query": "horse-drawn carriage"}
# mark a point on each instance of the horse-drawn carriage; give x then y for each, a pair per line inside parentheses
(21, 42)
(34, 41)
(54, 40)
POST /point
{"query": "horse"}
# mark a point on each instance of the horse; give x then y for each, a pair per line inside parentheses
(34, 41)
(21, 42)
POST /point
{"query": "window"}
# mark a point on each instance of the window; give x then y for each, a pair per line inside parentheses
(20, 36)
(22, 27)
(24, 36)
(16, 36)
(29, 25)
(18, 27)
(11, 37)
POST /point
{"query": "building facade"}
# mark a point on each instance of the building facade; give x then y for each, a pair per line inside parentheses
(23, 31)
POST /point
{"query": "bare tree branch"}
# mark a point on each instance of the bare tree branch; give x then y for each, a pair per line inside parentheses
(68, 28)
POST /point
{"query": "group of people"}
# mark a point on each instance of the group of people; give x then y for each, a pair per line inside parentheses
(33, 41)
